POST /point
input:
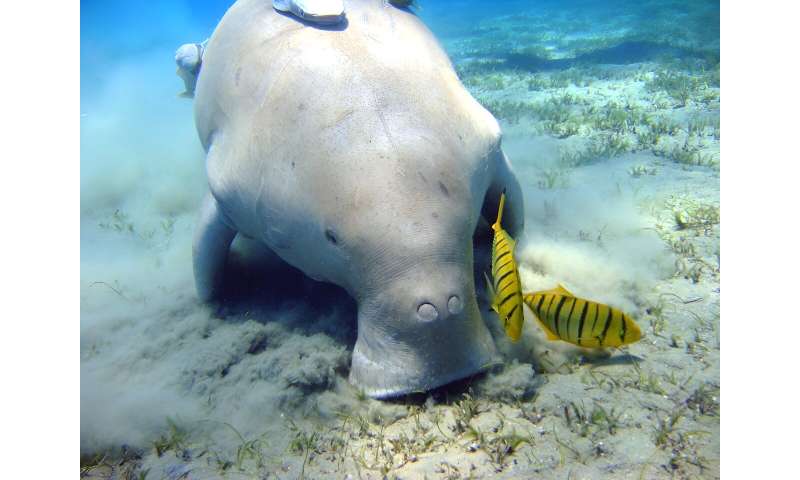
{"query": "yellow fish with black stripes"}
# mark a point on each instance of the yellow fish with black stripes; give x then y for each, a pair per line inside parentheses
(506, 289)
(581, 322)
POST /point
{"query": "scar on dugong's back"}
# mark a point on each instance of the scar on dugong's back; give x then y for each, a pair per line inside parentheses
(340, 118)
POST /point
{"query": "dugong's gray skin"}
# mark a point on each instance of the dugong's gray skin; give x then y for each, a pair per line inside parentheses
(357, 156)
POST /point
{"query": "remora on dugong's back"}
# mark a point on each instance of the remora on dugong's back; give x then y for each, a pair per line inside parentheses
(357, 156)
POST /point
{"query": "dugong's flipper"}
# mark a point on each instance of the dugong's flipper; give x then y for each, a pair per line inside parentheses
(189, 57)
(212, 239)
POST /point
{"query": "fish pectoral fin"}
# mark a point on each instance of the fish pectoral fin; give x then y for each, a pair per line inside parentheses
(492, 294)
(513, 336)
(550, 335)
(504, 321)
(547, 331)
(489, 286)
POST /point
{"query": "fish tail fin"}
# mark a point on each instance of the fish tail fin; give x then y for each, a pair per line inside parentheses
(497, 224)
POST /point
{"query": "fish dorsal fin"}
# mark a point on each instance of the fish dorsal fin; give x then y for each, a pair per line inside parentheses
(563, 291)
(497, 225)
(559, 290)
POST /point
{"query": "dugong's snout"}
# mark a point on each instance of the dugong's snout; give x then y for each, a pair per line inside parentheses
(423, 331)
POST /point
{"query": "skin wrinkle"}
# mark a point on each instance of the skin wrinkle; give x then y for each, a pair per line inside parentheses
(399, 267)
(385, 263)
(258, 198)
(383, 121)
(383, 336)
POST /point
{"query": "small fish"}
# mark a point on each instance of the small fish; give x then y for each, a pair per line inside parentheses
(506, 290)
(581, 322)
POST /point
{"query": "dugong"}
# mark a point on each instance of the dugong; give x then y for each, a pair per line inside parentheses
(356, 155)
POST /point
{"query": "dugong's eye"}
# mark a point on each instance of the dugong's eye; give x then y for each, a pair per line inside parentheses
(331, 236)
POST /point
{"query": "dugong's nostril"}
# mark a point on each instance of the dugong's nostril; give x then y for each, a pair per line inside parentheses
(427, 312)
(455, 305)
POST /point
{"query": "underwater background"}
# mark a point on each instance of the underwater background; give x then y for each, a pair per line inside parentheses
(611, 119)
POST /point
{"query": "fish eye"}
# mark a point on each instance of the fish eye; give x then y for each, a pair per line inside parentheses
(331, 236)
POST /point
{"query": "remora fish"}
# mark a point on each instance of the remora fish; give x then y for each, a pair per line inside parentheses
(506, 291)
(581, 322)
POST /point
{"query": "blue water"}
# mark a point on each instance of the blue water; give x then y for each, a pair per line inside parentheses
(610, 118)
(112, 31)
